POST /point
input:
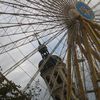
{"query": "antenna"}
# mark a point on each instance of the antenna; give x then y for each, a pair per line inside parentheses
(42, 48)
(37, 38)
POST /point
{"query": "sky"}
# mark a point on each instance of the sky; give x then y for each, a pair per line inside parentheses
(31, 65)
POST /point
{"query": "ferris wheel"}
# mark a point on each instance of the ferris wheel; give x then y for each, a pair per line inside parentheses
(69, 29)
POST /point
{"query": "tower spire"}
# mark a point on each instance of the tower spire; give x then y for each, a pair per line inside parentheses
(42, 49)
(38, 40)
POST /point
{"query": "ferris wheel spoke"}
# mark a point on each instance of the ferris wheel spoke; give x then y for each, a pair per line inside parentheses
(61, 3)
(95, 25)
(82, 48)
(82, 0)
(16, 6)
(92, 44)
(63, 47)
(85, 52)
(42, 10)
(96, 32)
(69, 60)
(56, 3)
(97, 22)
(23, 41)
(97, 11)
(95, 54)
(46, 11)
(78, 74)
(97, 19)
(19, 63)
(91, 66)
(93, 35)
(75, 40)
(41, 67)
(96, 5)
(25, 24)
(89, 2)
(37, 32)
(30, 54)
(81, 92)
(21, 6)
(16, 44)
(40, 15)
(97, 15)
(83, 70)
(53, 4)
(93, 48)
(31, 16)
(9, 21)
(69, 70)
(48, 6)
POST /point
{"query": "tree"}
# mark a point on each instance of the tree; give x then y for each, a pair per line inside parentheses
(10, 91)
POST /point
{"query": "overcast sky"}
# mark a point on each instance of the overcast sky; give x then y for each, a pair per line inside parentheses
(30, 66)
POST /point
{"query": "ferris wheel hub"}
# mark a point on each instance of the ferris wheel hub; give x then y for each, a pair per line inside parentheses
(73, 14)
(85, 11)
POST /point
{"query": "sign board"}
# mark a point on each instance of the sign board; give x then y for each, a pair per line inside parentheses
(85, 11)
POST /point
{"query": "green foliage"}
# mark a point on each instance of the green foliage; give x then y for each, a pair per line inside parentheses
(7, 92)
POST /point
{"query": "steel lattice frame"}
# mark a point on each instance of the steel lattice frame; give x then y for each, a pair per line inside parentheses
(22, 20)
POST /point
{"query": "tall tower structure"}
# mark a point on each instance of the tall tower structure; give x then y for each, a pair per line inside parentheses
(54, 73)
